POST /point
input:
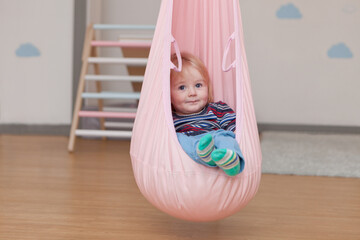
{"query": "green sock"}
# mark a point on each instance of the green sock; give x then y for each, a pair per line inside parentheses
(205, 148)
(227, 160)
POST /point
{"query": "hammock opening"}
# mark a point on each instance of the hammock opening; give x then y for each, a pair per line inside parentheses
(203, 28)
(206, 29)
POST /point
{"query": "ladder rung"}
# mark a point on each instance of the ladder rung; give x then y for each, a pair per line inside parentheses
(102, 133)
(111, 95)
(130, 44)
(123, 27)
(114, 78)
(128, 61)
(106, 114)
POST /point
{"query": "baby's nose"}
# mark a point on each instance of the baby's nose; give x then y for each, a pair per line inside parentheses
(192, 91)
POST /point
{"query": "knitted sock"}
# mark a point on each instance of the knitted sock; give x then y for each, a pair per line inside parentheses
(205, 148)
(227, 160)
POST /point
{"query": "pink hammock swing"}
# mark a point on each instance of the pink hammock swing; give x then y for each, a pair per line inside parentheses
(165, 175)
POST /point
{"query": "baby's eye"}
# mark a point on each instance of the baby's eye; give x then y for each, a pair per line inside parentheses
(198, 85)
(182, 87)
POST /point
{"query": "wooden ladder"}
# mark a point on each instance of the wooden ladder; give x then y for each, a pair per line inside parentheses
(90, 56)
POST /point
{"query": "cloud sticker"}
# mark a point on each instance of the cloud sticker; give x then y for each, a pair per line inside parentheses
(27, 50)
(339, 51)
(288, 11)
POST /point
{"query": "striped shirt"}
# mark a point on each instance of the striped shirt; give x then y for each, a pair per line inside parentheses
(213, 117)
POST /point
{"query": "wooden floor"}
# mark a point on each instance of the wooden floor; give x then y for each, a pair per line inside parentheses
(47, 193)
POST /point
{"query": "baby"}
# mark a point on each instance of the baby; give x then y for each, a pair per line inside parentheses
(205, 129)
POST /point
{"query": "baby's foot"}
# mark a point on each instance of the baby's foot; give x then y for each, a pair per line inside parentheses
(205, 148)
(227, 160)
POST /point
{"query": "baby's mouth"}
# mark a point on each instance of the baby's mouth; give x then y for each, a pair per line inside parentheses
(192, 102)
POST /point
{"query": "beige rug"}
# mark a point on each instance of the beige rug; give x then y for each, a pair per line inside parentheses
(311, 154)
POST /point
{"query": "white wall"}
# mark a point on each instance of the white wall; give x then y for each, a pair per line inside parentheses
(37, 89)
(294, 80)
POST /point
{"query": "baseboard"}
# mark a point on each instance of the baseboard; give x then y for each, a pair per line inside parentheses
(309, 128)
(24, 129)
(63, 130)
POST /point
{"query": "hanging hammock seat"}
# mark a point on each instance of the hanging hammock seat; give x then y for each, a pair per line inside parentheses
(165, 175)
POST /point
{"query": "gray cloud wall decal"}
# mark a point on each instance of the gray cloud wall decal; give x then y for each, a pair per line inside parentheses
(27, 50)
(288, 11)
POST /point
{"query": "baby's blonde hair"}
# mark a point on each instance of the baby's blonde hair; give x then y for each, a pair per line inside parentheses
(189, 60)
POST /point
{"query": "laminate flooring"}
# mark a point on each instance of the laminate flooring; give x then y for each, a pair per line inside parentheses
(48, 193)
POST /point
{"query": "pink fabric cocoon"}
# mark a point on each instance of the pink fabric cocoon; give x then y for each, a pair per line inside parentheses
(165, 175)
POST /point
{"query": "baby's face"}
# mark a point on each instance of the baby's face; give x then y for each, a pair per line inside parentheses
(189, 92)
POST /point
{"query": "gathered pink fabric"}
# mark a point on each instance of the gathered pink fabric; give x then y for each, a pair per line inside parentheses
(165, 175)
